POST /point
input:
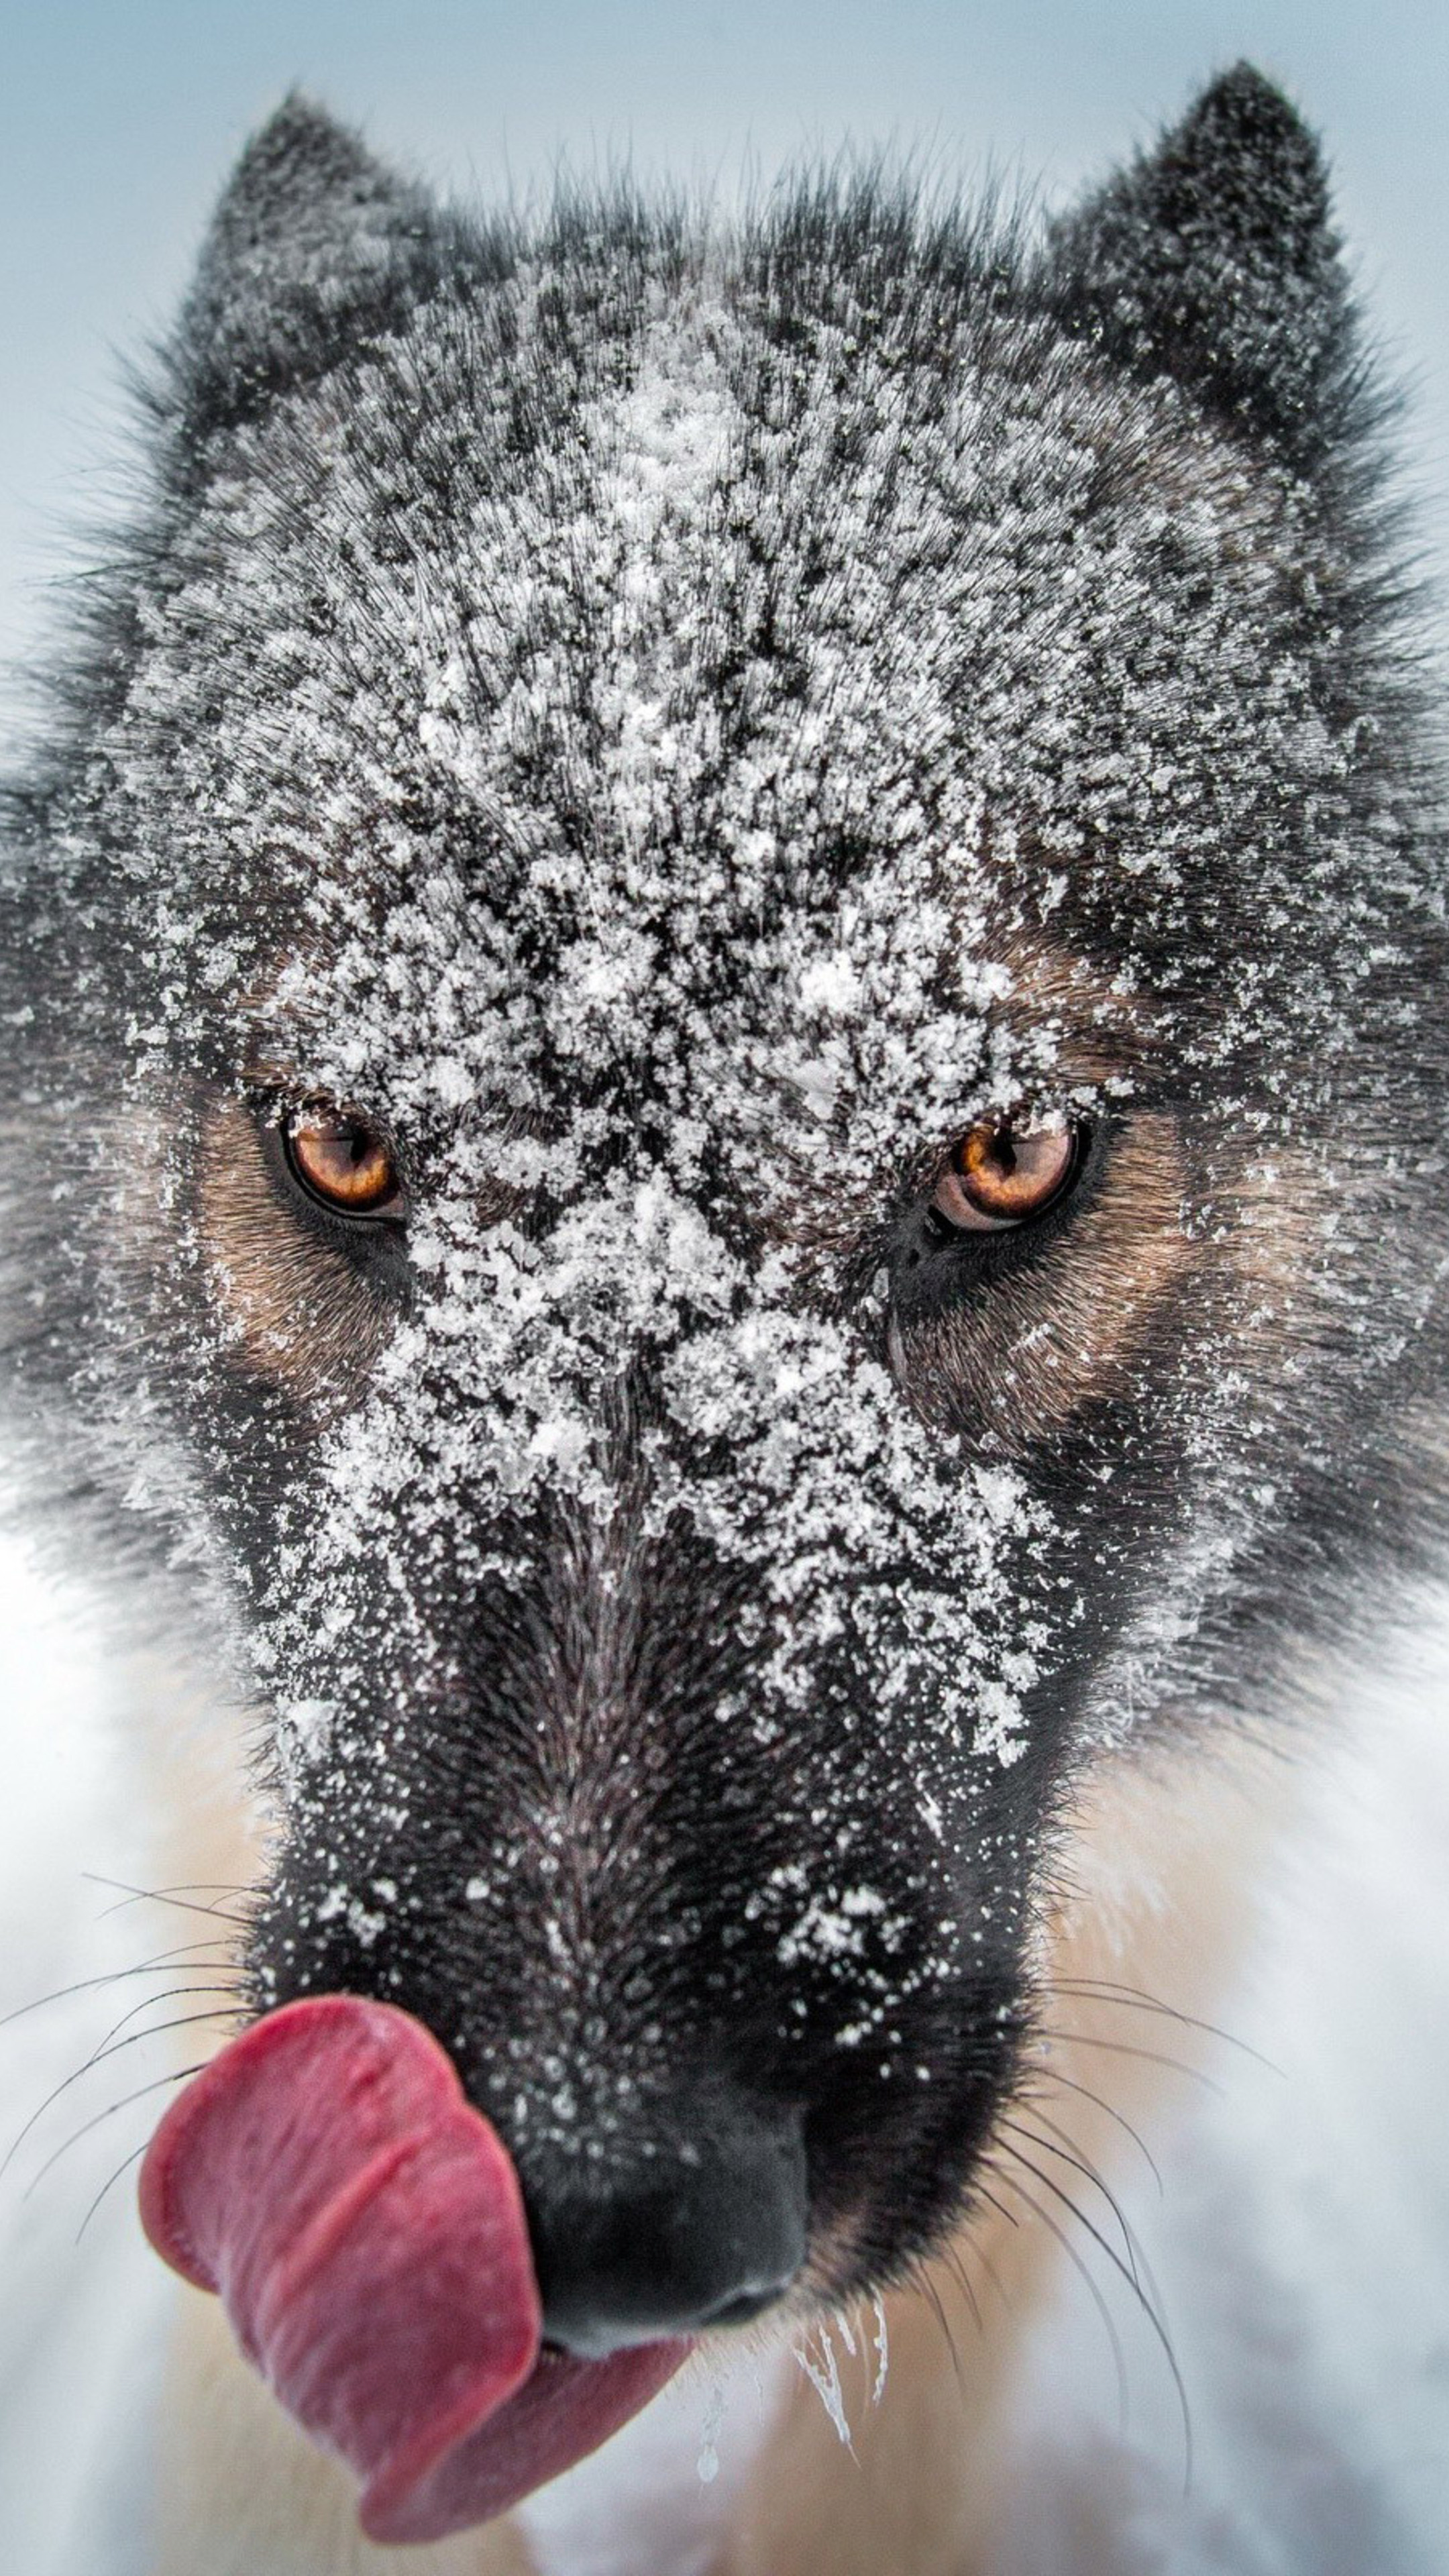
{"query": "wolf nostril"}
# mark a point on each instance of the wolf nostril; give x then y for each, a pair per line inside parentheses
(698, 2235)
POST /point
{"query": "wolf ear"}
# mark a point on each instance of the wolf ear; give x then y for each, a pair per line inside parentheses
(313, 249)
(1214, 260)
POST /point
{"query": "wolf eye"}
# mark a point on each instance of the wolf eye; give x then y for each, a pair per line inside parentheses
(1004, 1171)
(342, 1161)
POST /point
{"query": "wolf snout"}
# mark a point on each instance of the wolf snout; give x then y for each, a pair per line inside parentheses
(705, 2230)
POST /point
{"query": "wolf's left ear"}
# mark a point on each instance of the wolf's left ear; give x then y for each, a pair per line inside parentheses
(1214, 260)
(313, 248)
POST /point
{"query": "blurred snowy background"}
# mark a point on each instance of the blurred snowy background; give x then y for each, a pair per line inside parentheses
(1302, 2243)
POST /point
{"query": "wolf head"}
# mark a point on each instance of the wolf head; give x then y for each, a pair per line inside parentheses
(727, 1090)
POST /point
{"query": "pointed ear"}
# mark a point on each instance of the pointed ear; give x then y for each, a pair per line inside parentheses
(1214, 260)
(313, 250)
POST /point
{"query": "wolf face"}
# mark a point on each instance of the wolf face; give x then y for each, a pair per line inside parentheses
(727, 1091)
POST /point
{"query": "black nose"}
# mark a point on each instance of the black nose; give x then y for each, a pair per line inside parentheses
(705, 2230)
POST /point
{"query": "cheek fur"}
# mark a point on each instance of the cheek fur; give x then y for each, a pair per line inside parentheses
(1033, 1351)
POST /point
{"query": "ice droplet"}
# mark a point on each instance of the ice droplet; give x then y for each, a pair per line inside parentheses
(824, 2378)
(709, 2433)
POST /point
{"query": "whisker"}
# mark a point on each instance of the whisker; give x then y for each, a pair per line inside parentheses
(1129, 2275)
(1139, 2254)
(978, 2250)
(133, 2158)
(1131, 1999)
(1125, 2048)
(982, 2193)
(179, 2076)
(1089, 2174)
(162, 1896)
(180, 2021)
(155, 1966)
(171, 1995)
(921, 2281)
(1126, 2265)
(1069, 2144)
(1071, 2084)
(1094, 2289)
(964, 2283)
(196, 1887)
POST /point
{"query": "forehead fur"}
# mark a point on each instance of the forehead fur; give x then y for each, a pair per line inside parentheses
(661, 588)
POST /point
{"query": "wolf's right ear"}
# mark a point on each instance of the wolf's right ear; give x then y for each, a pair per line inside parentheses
(314, 249)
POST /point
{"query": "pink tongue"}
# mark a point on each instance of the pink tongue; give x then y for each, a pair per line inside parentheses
(364, 2227)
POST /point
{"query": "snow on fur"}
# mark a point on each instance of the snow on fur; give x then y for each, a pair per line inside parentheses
(673, 723)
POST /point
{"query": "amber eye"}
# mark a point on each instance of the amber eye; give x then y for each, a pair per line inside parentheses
(1004, 1171)
(342, 1161)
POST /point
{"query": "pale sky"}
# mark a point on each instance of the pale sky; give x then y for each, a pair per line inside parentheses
(119, 119)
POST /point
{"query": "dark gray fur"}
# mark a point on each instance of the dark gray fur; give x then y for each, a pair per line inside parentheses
(607, 769)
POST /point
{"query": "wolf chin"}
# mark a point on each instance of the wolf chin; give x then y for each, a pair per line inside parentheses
(725, 1101)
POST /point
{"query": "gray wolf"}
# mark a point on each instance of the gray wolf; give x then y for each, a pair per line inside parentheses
(725, 1118)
